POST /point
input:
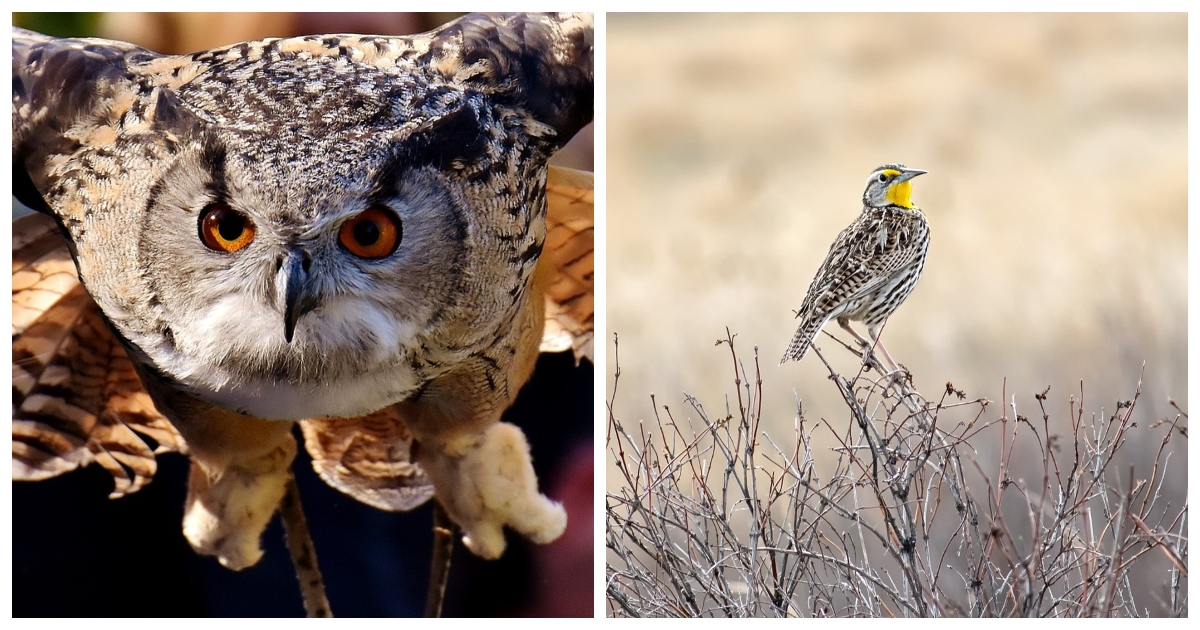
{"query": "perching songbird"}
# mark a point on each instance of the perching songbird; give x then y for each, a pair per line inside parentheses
(871, 267)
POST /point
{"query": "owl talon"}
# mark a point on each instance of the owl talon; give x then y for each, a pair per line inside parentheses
(491, 484)
(486, 540)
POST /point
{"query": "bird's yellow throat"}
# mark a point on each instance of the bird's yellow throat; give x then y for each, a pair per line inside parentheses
(901, 194)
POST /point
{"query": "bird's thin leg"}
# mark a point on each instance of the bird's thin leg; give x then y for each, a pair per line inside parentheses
(845, 324)
(874, 333)
(895, 367)
(868, 347)
(304, 554)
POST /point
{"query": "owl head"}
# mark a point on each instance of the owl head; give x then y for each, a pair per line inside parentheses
(299, 227)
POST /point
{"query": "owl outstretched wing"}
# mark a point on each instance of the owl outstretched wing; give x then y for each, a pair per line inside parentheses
(568, 261)
(76, 396)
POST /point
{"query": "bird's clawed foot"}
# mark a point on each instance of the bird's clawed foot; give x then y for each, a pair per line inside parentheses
(871, 359)
(228, 507)
(899, 376)
(892, 372)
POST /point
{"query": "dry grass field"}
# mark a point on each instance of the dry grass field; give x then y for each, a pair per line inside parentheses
(1056, 145)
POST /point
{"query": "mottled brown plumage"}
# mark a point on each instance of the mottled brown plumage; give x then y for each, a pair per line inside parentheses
(871, 267)
(218, 352)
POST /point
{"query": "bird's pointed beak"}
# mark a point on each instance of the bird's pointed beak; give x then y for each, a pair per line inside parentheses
(295, 290)
(909, 173)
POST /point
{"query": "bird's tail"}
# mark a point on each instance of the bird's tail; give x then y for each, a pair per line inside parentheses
(803, 340)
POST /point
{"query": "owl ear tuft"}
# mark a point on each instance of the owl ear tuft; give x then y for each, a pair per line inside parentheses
(169, 112)
(454, 137)
(540, 63)
(59, 83)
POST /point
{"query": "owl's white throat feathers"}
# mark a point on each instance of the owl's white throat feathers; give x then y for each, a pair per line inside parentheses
(345, 360)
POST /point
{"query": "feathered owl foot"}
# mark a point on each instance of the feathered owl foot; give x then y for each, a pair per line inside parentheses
(485, 481)
(228, 507)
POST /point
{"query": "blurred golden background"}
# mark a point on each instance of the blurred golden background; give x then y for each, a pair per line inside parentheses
(738, 147)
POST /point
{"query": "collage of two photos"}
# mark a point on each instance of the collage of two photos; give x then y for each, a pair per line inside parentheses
(317, 314)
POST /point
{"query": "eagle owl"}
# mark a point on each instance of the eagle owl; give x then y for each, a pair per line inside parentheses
(346, 232)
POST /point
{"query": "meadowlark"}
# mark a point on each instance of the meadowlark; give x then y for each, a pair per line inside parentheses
(871, 267)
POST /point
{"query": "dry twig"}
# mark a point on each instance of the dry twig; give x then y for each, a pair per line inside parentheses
(714, 518)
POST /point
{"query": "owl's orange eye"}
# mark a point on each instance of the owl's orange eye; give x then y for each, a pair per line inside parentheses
(373, 233)
(224, 229)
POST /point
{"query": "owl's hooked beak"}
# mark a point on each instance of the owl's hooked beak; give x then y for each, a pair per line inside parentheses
(293, 285)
